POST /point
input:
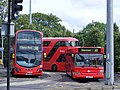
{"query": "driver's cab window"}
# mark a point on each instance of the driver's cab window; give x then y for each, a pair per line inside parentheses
(79, 60)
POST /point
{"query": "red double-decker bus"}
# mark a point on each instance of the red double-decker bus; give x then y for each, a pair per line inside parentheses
(27, 56)
(54, 52)
(85, 62)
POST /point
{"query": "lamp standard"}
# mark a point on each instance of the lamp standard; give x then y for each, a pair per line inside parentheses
(30, 12)
(2, 47)
(2, 36)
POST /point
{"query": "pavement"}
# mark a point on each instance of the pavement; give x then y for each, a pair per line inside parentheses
(1, 66)
(83, 87)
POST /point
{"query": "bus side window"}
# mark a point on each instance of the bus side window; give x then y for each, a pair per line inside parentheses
(46, 43)
(62, 43)
(61, 58)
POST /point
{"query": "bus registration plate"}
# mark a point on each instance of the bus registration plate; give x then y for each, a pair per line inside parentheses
(89, 76)
(29, 73)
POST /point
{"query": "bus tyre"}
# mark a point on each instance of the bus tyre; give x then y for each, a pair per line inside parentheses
(72, 75)
(66, 72)
(54, 68)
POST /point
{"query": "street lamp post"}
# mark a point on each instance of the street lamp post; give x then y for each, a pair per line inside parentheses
(30, 11)
(2, 47)
(2, 36)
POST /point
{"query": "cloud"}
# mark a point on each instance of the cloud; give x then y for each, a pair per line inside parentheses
(75, 14)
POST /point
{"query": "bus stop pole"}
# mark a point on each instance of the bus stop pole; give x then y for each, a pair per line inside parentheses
(8, 35)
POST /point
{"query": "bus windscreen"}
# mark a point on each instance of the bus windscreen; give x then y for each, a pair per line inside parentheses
(29, 50)
(89, 59)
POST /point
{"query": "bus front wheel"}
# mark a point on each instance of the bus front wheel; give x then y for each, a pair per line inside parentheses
(54, 68)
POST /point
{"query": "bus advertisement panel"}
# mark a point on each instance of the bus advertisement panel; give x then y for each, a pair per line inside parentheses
(85, 62)
(27, 56)
(54, 52)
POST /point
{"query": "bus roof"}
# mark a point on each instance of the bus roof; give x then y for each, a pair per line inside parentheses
(28, 30)
(60, 39)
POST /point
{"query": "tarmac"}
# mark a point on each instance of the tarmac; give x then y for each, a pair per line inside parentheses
(96, 87)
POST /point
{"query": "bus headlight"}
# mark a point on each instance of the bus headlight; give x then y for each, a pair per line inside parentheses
(101, 72)
(41, 66)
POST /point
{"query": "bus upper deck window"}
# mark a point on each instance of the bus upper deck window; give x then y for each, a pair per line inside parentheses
(62, 43)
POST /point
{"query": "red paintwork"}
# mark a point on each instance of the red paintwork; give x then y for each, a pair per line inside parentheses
(47, 65)
(37, 71)
(82, 72)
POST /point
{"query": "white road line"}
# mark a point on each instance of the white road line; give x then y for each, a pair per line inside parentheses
(25, 83)
(53, 77)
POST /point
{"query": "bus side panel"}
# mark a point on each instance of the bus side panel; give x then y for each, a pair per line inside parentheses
(59, 58)
(68, 65)
(56, 59)
(47, 65)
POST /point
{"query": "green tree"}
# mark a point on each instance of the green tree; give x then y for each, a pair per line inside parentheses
(3, 10)
(116, 48)
(48, 24)
(92, 35)
(3, 15)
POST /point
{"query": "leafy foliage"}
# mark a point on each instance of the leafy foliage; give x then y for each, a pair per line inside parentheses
(116, 47)
(3, 10)
(93, 34)
(48, 24)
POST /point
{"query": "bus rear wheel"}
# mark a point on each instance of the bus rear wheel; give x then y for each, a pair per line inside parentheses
(54, 68)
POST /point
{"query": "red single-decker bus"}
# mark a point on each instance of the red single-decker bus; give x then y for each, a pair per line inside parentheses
(85, 62)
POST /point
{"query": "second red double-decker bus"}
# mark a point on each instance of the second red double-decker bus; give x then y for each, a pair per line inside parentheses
(54, 52)
(85, 62)
(27, 54)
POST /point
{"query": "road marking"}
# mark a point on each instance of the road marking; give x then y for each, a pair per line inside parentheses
(25, 83)
(53, 77)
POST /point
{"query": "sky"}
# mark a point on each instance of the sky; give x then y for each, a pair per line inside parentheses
(75, 14)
